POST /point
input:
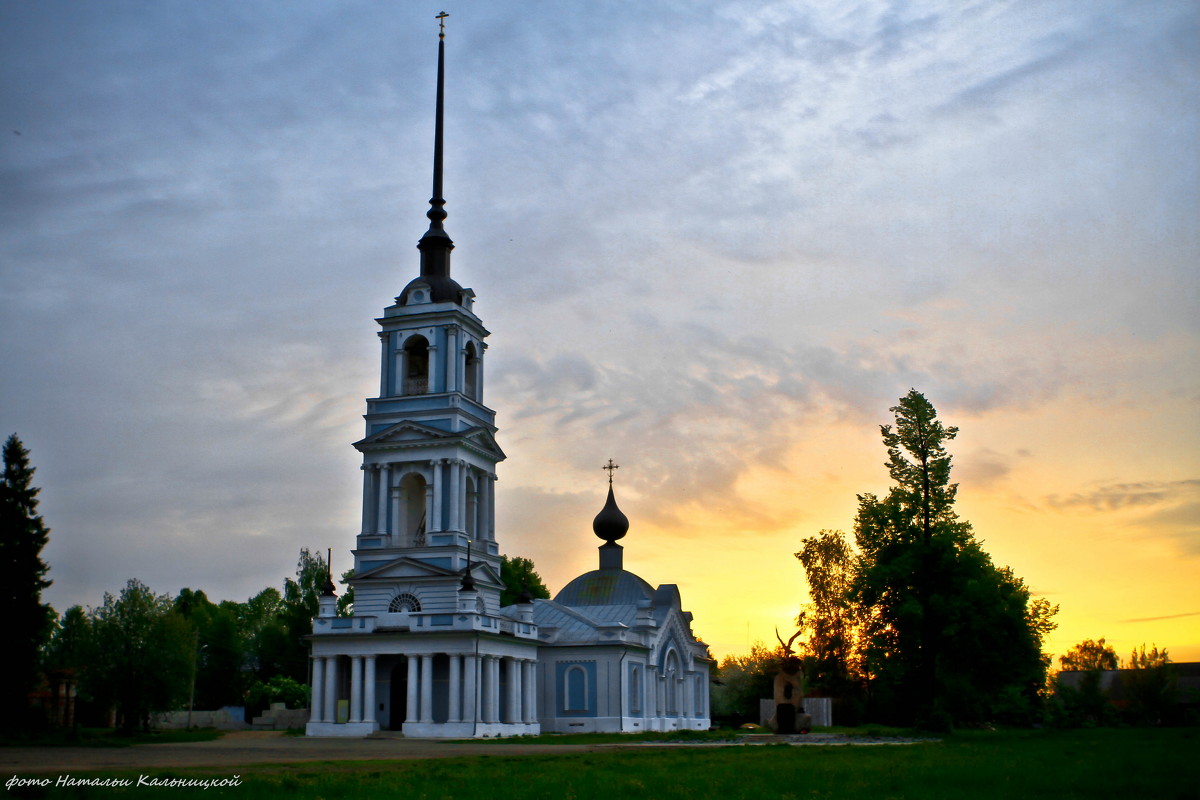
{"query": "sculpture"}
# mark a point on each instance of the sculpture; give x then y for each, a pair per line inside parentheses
(789, 717)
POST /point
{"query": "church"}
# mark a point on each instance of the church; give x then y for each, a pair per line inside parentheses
(429, 651)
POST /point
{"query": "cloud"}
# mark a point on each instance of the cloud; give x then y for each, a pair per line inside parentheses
(1123, 496)
(1159, 619)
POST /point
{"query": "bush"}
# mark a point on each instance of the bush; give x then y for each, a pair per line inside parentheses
(279, 689)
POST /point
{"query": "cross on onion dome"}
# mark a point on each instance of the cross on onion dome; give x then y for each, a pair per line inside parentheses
(610, 468)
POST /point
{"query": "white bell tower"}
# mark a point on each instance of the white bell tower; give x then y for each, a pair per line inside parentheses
(430, 454)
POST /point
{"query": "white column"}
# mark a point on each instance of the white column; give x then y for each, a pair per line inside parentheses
(427, 688)
(412, 696)
(514, 691)
(455, 709)
(428, 508)
(432, 383)
(435, 521)
(381, 501)
(481, 505)
(528, 681)
(331, 689)
(367, 497)
(479, 372)
(689, 695)
(384, 342)
(470, 689)
(369, 690)
(496, 688)
(355, 689)
(485, 689)
(451, 359)
(455, 494)
(394, 528)
(318, 690)
(401, 371)
(491, 528)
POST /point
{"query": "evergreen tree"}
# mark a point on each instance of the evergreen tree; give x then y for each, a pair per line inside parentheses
(948, 636)
(28, 625)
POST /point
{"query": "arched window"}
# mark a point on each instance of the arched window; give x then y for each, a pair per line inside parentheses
(471, 372)
(672, 680)
(411, 527)
(416, 365)
(635, 689)
(404, 602)
(576, 693)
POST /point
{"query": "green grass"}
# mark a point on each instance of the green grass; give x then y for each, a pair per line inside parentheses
(1013, 765)
(108, 737)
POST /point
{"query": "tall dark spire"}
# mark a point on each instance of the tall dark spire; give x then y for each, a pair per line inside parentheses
(435, 245)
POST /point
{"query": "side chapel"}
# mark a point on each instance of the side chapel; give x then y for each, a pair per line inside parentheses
(429, 650)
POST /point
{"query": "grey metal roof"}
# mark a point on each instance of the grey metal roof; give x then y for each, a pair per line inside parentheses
(605, 587)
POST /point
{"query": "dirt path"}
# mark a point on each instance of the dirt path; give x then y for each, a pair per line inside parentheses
(246, 748)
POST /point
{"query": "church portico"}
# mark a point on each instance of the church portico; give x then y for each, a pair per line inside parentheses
(424, 693)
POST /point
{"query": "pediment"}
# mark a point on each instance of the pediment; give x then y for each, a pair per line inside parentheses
(405, 567)
(407, 432)
(410, 434)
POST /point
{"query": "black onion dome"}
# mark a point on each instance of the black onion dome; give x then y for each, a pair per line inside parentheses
(442, 289)
(611, 523)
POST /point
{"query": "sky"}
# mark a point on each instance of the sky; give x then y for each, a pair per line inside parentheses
(714, 241)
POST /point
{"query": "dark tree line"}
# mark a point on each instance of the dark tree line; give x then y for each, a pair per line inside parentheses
(140, 652)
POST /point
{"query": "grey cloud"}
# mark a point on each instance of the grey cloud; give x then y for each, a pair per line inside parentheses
(982, 469)
(1121, 496)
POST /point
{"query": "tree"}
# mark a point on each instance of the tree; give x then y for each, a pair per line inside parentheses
(345, 603)
(744, 680)
(301, 603)
(947, 636)
(141, 655)
(829, 618)
(1089, 655)
(219, 649)
(23, 534)
(66, 661)
(519, 575)
(1149, 687)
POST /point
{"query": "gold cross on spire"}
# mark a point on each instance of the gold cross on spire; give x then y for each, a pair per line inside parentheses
(441, 18)
(610, 467)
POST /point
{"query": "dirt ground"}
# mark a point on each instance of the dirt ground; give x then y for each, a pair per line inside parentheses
(248, 748)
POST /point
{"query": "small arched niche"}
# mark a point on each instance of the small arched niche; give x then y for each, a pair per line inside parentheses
(416, 365)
